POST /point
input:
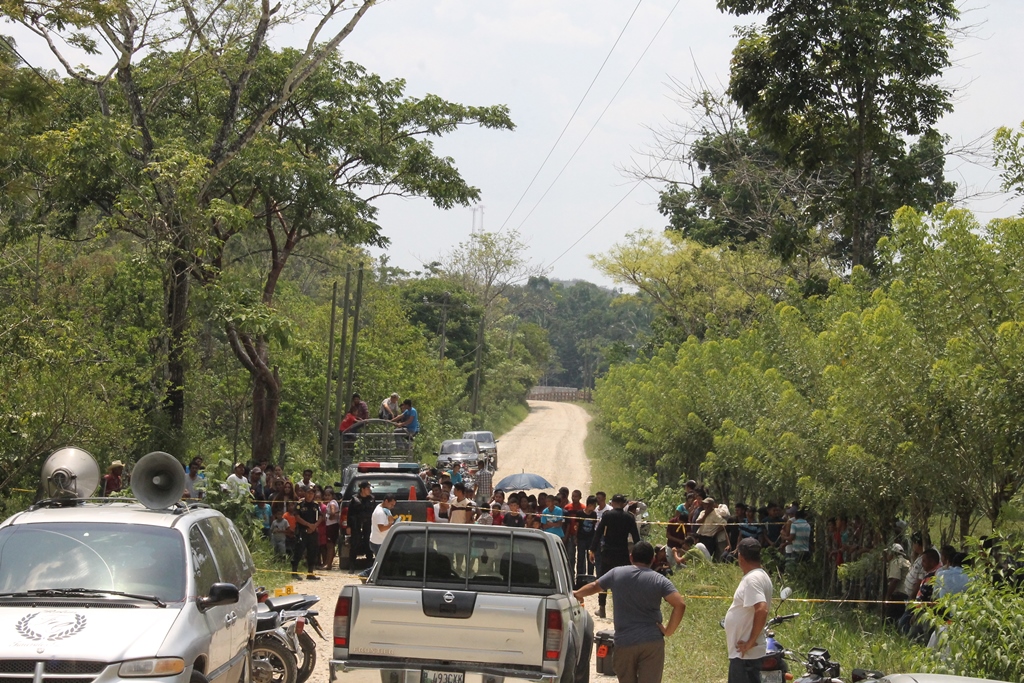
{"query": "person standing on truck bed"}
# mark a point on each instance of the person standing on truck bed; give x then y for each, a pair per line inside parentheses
(358, 408)
(639, 634)
(390, 407)
(611, 542)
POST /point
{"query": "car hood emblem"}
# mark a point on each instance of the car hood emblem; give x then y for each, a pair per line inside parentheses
(39, 626)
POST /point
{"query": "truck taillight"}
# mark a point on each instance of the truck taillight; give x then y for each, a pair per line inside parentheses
(552, 634)
(344, 517)
(430, 513)
(341, 612)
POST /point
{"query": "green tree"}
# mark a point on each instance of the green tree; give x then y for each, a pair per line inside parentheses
(851, 86)
(116, 165)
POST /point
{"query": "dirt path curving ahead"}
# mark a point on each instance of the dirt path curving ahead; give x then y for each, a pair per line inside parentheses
(549, 442)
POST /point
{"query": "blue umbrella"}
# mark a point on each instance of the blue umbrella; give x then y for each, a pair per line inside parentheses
(523, 481)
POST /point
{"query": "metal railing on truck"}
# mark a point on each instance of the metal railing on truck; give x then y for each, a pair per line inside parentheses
(377, 441)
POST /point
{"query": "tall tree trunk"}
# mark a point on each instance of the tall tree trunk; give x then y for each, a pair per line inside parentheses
(176, 318)
(266, 401)
(254, 354)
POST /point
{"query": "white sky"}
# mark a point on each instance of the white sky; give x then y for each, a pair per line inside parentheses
(538, 56)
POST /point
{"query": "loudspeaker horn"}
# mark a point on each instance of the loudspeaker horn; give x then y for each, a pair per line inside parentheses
(158, 480)
(70, 473)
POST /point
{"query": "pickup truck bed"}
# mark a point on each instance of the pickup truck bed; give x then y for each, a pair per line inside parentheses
(453, 603)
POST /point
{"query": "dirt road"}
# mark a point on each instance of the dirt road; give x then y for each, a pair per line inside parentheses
(548, 442)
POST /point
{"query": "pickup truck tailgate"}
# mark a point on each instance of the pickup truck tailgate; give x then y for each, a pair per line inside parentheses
(447, 625)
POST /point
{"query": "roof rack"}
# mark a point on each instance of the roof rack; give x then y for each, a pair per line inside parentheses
(178, 508)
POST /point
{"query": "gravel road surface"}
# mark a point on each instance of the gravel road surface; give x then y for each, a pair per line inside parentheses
(548, 442)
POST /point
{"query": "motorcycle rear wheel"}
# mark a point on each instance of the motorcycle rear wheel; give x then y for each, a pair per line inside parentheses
(308, 646)
(272, 662)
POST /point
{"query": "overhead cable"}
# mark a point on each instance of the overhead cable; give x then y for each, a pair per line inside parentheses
(573, 116)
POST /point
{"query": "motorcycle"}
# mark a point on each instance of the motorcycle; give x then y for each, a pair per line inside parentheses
(274, 649)
(773, 664)
(293, 614)
(821, 669)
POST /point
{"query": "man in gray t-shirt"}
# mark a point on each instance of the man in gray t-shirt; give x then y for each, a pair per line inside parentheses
(637, 592)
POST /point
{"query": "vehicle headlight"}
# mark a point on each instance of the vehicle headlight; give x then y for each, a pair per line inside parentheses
(158, 666)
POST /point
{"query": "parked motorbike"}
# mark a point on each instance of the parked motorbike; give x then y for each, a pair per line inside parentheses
(821, 669)
(773, 665)
(274, 651)
(288, 630)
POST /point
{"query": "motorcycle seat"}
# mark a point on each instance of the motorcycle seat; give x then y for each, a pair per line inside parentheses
(266, 618)
(283, 602)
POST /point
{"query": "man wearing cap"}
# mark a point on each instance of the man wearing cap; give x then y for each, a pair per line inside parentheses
(895, 574)
(744, 622)
(307, 539)
(360, 511)
(112, 479)
(709, 524)
(611, 542)
(639, 632)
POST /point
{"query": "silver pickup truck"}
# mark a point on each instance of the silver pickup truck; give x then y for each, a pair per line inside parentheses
(454, 603)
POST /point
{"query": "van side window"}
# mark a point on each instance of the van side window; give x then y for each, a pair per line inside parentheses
(204, 570)
(229, 565)
(248, 566)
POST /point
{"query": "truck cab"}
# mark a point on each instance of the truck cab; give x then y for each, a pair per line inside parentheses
(453, 603)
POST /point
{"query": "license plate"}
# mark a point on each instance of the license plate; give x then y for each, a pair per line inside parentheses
(772, 677)
(442, 677)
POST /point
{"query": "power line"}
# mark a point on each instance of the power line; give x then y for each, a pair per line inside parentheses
(44, 79)
(601, 115)
(573, 116)
(594, 226)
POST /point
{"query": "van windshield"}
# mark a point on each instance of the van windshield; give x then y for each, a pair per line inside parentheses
(117, 557)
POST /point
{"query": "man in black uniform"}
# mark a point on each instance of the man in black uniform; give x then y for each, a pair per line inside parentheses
(307, 541)
(611, 542)
(360, 509)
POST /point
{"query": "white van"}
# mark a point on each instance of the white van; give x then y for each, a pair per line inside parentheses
(101, 590)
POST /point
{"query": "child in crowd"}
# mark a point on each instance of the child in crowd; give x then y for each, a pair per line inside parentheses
(513, 517)
(263, 515)
(279, 532)
(289, 516)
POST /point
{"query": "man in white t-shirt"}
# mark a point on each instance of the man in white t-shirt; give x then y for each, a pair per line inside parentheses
(238, 483)
(602, 504)
(380, 521)
(744, 622)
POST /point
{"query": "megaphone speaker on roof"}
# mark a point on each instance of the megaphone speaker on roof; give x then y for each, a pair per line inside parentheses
(70, 473)
(158, 480)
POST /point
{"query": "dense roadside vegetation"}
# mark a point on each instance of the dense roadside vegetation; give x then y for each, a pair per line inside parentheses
(828, 328)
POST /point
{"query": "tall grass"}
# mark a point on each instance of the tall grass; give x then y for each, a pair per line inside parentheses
(856, 638)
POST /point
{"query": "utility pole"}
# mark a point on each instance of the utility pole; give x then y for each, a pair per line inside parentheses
(355, 334)
(339, 401)
(479, 369)
(444, 324)
(330, 372)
